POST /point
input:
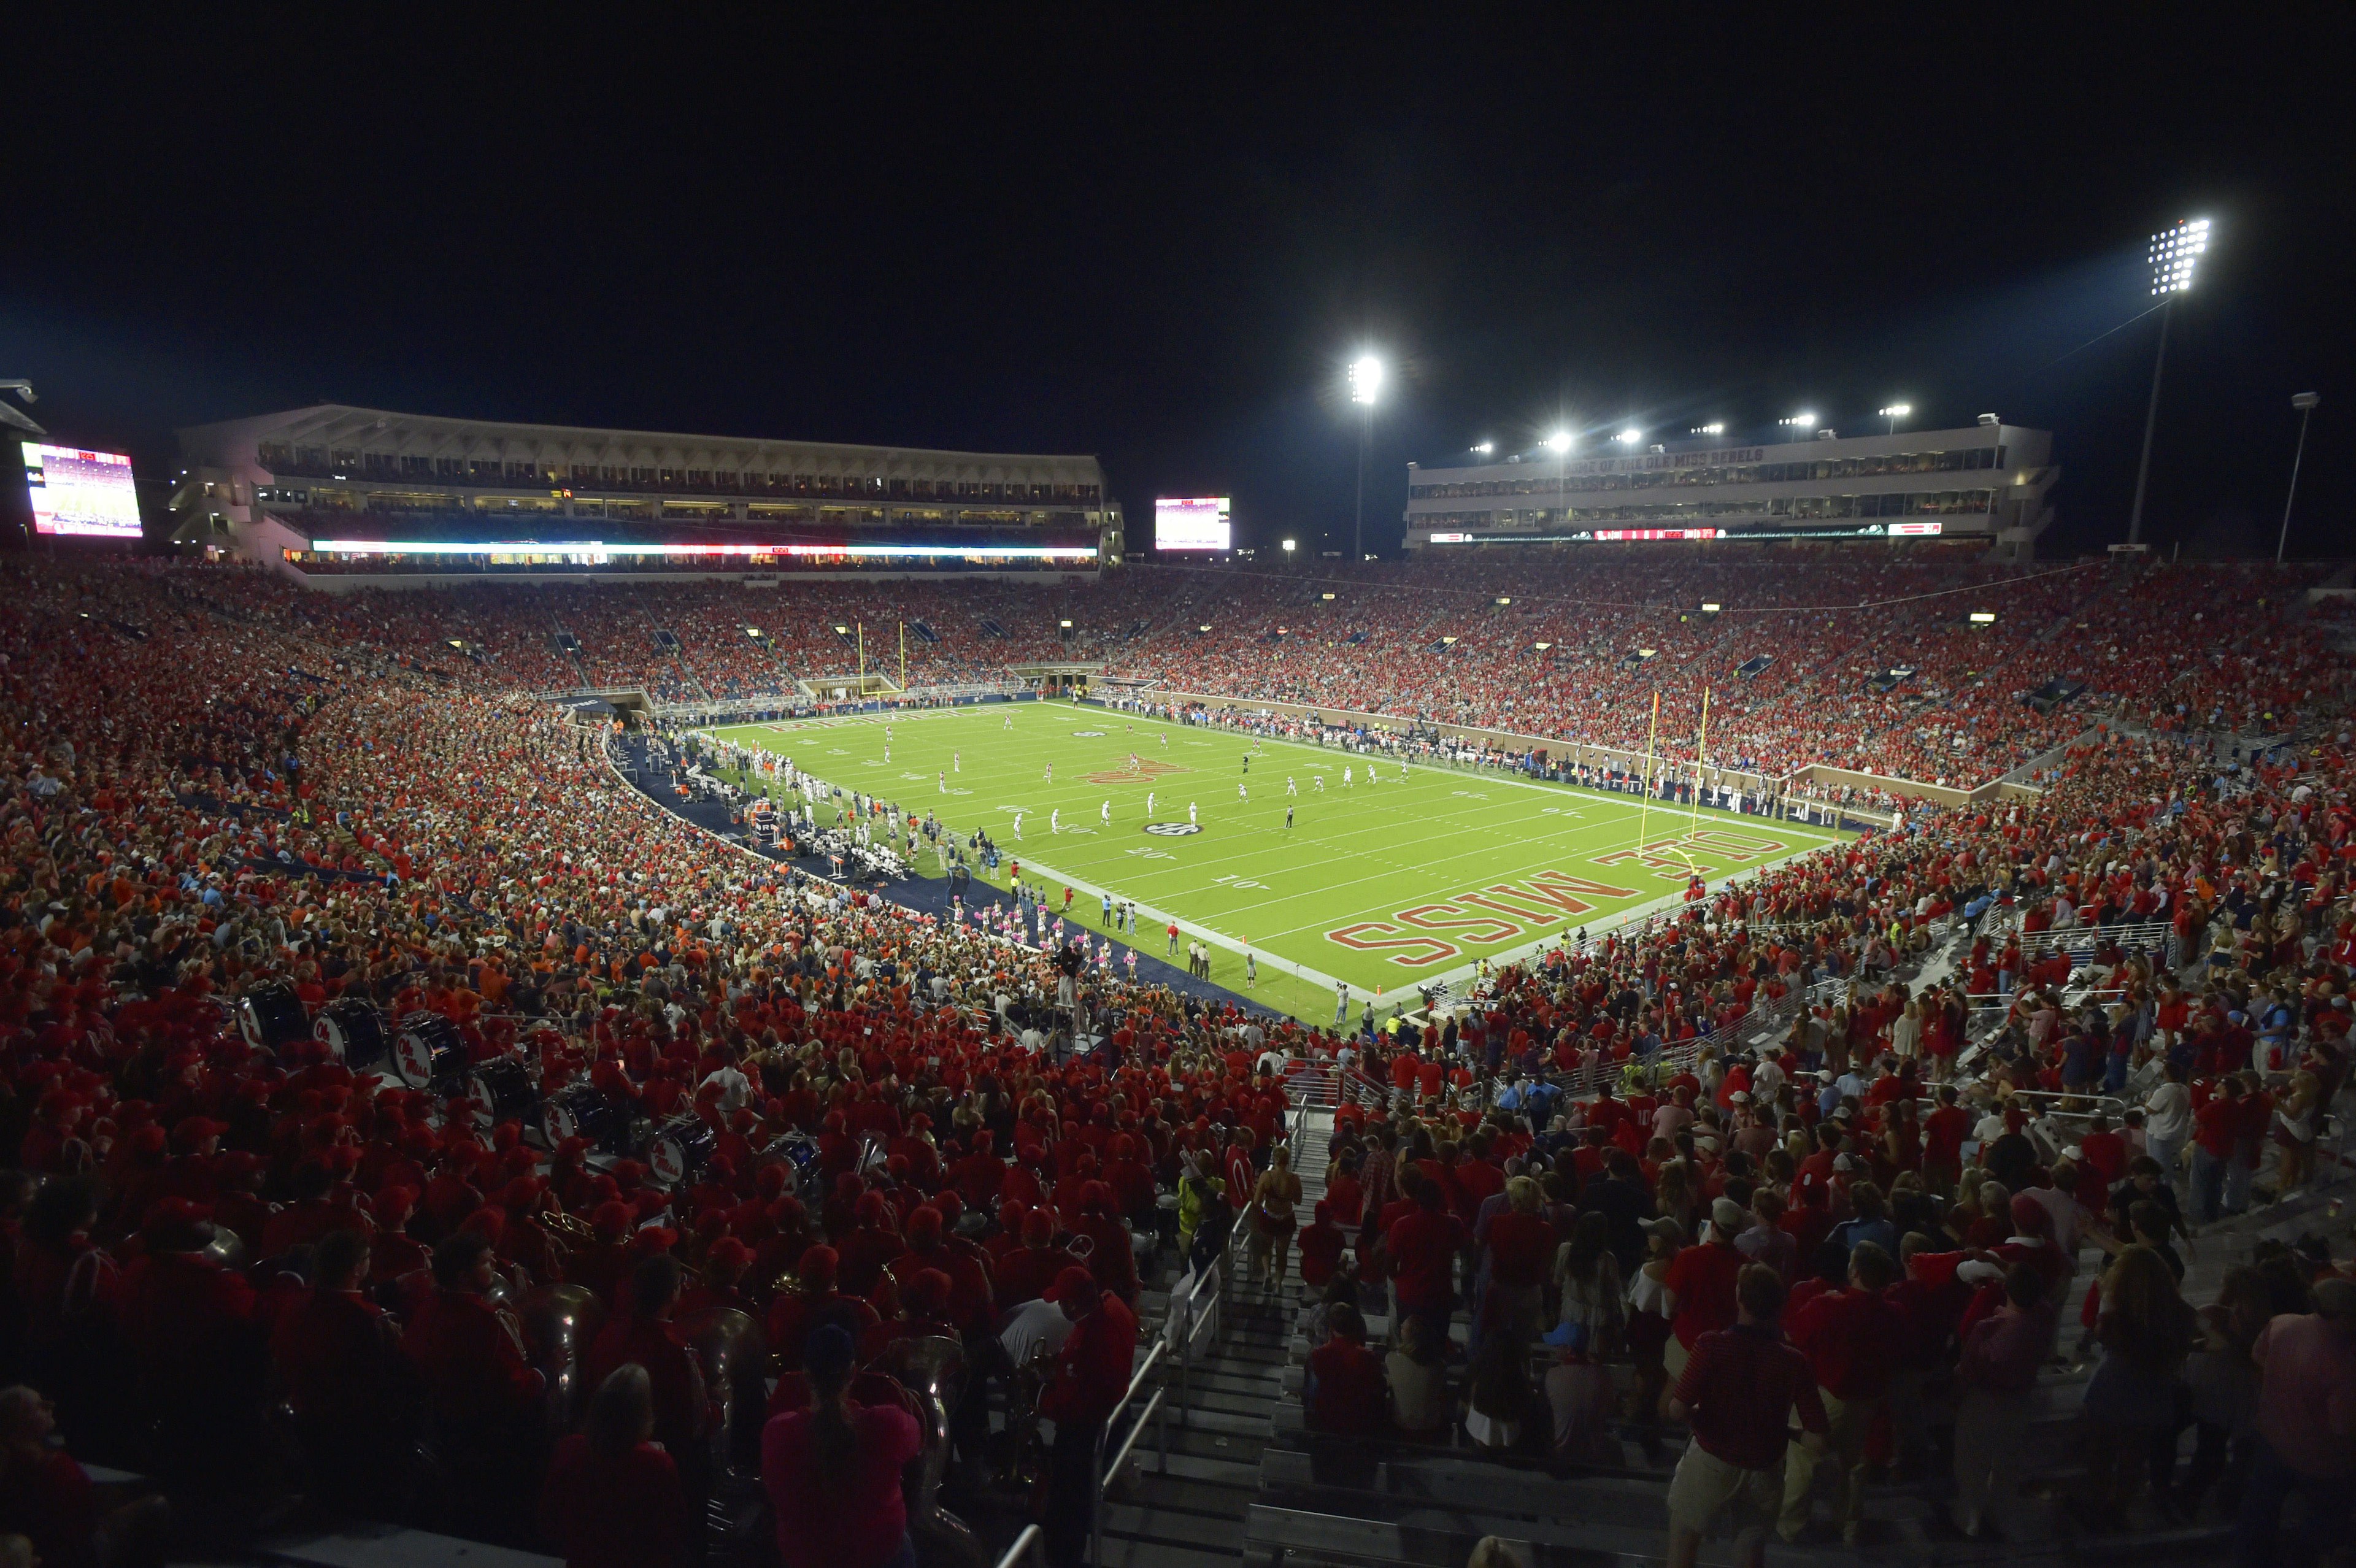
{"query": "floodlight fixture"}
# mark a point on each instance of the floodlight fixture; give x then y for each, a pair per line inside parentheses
(1714, 427)
(1558, 443)
(1983, 617)
(1895, 412)
(2175, 252)
(1065, 624)
(1288, 546)
(1631, 436)
(1484, 447)
(1505, 599)
(1365, 378)
(1328, 597)
(1800, 421)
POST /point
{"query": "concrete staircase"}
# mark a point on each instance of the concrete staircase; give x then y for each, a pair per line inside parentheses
(1187, 1510)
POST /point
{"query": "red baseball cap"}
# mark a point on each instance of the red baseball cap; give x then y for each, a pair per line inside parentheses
(1073, 1284)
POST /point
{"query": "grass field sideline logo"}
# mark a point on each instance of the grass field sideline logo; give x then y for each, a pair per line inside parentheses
(1172, 829)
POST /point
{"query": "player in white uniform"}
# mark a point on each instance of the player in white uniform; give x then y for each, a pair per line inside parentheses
(1289, 787)
(957, 761)
(1010, 722)
(1018, 827)
(1104, 814)
(1050, 774)
(1190, 811)
(945, 783)
(1320, 782)
(1243, 790)
(1345, 776)
(1056, 820)
(1149, 806)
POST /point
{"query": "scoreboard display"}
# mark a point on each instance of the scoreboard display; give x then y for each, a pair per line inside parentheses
(80, 493)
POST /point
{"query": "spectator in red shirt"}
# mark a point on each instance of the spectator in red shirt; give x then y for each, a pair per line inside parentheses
(832, 1471)
(1852, 1339)
(481, 1393)
(1944, 1131)
(2216, 1129)
(1346, 1392)
(45, 1496)
(1419, 1253)
(2306, 1427)
(1521, 1247)
(646, 1339)
(1699, 1286)
(1739, 1389)
(2001, 1355)
(612, 1497)
(1092, 1373)
(337, 1357)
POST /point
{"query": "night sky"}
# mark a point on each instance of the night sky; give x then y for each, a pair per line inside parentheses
(1161, 244)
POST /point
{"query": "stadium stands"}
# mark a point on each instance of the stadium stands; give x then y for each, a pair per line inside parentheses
(321, 926)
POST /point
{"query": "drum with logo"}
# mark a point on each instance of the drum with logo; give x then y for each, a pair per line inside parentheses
(583, 1110)
(427, 1053)
(679, 1149)
(271, 1017)
(501, 1090)
(353, 1032)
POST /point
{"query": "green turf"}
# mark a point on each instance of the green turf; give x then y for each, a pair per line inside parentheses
(1383, 886)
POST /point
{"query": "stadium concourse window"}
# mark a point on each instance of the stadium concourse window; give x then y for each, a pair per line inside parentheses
(1540, 480)
(284, 459)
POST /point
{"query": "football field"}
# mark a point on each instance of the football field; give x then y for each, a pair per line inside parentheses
(1412, 877)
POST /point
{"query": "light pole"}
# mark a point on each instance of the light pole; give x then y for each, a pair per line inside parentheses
(2304, 403)
(1365, 385)
(2173, 254)
(1559, 445)
(1895, 412)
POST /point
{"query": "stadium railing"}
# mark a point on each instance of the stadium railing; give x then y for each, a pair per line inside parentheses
(1156, 1410)
(1031, 1546)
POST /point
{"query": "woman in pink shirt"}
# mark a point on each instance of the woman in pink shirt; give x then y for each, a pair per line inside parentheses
(832, 1471)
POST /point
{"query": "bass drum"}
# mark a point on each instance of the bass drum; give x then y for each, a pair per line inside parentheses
(271, 1017)
(428, 1053)
(583, 1110)
(353, 1032)
(680, 1150)
(502, 1090)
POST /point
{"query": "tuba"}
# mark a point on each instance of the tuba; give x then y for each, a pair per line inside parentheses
(933, 1371)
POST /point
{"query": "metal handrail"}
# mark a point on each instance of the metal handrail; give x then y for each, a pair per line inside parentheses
(1031, 1539)
(1104, 1473)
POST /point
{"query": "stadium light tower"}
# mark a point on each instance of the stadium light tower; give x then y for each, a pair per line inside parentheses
(1366, 386)
(2304, 403)
(2174, 254)
(1803, 423)
(1558, 443)
(1895, 412)
(1630, 437)
(1714, 427)
(1484, 447)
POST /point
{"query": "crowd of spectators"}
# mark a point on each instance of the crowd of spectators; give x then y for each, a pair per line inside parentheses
(243, 1266)
(1872, 661)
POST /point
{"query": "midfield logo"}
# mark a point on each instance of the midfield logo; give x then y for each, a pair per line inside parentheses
(1172, 829)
